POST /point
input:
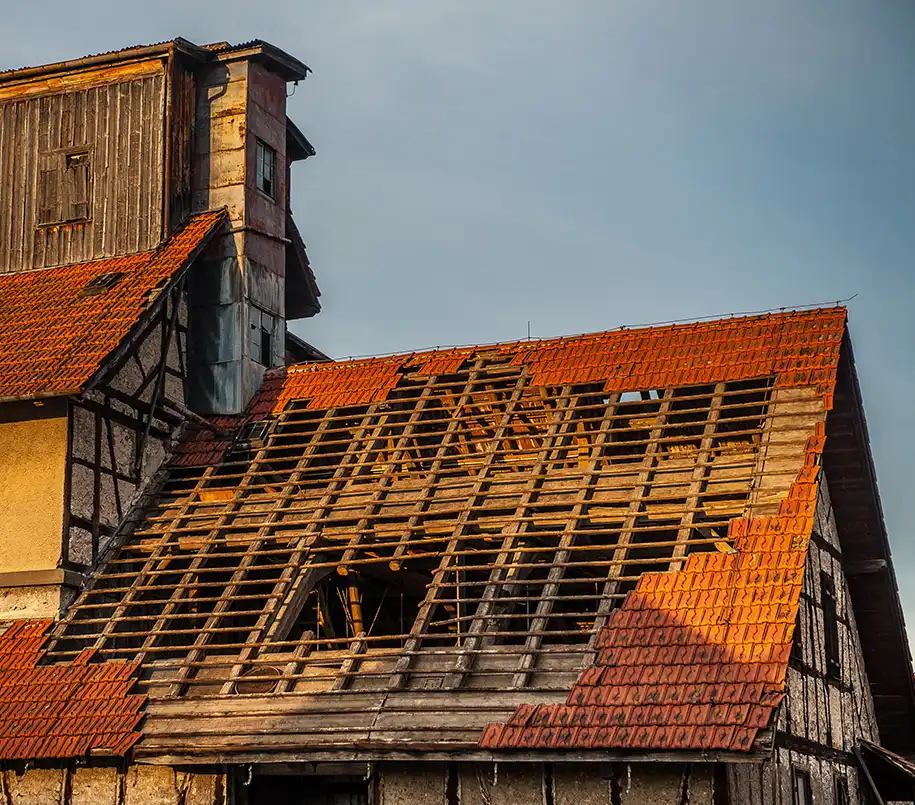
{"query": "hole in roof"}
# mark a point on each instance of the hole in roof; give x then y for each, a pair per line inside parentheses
(102, 283)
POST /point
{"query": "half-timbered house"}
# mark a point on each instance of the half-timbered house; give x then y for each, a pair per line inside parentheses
(148, 265)
(637, 566)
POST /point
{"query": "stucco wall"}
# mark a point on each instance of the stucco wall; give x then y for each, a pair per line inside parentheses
(32, 463)
(546, 784)
(108, 785)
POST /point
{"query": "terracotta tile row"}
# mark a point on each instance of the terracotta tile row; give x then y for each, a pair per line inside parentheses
(201, 447)
(53, 338)
(62, 711)
(797, 348)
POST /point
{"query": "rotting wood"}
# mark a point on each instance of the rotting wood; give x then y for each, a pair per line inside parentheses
(451, 471)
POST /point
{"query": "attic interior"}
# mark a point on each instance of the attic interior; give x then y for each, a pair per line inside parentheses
(470, 531)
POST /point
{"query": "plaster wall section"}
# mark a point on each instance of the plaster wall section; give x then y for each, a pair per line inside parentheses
(33, 454)
(112, 785)
(547, 784)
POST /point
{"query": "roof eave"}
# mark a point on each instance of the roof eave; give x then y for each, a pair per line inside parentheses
(130, 338)
(41, 396)
(298, 147)
(387, 752)
(141, 52)
(273, 58)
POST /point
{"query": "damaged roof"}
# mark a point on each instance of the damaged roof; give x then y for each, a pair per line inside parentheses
(589, 543)
(59, 325)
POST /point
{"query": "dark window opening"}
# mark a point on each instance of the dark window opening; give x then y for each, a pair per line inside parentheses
(841, 791)
(830, 626)
(801, 793)
(260, 343)
(266, 347)
(266, 169)
(276, 789)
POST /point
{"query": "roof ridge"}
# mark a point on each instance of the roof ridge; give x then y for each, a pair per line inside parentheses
(783, 312)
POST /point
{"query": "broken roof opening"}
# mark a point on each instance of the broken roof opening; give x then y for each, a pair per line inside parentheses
(483, 525)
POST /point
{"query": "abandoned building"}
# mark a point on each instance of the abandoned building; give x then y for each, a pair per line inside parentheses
(637, 566)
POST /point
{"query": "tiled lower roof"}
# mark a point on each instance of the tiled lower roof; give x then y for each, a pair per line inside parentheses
(62, 711)
(54, 335)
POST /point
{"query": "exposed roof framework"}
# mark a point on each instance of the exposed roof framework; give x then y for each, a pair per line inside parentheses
(421, 543)
(468, 510)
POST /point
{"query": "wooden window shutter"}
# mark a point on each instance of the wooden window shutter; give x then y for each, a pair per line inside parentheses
(77, 187)
(830, 626)
(49, 201)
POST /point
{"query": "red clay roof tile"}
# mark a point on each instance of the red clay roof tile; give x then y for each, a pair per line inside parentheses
(62, 711)
(53, 338)
(696, 659)
(656, 357)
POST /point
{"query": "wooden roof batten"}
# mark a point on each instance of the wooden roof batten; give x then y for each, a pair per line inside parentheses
(418, 546)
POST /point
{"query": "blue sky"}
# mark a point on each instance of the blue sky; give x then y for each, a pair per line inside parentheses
(581, 165)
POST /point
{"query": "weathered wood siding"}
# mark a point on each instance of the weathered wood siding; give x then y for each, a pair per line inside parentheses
(545, 784)
(182, 127)
(120, 123)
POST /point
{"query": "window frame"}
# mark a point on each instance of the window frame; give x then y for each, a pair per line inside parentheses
(258, 331)
(840, 790)
(262, 150)
(829, 608)
(70, 201)
(800, 778)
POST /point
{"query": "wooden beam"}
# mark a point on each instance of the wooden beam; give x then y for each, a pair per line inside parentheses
(643, 483)
(482, 621)
(401, 669)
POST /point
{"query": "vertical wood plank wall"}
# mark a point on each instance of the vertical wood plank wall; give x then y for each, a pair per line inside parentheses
(121, 123)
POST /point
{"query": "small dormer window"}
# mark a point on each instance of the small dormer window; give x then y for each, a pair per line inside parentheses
(266, 169)
(102, 283)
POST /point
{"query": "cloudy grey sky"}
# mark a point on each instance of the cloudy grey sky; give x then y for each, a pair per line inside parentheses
(586, 164)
